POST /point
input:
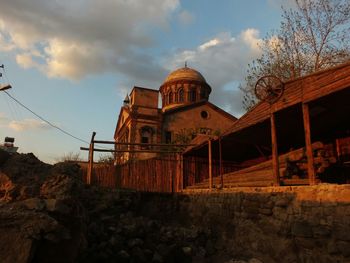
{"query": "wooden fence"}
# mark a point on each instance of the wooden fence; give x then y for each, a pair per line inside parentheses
(151, 175)
(103, 174)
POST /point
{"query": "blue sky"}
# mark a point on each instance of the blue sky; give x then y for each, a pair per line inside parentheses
(73, 62)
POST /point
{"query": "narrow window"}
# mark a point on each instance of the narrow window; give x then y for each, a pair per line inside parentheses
(181, 95)
(192, 95)
(170, 97)
(167, 137)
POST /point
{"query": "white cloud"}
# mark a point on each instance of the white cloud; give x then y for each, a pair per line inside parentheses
(28, 124)
(77, 38)
(185, 17)
(223, 62)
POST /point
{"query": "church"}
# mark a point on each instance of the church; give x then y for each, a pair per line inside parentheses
(185, 113)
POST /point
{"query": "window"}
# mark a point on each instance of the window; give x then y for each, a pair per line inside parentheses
(192, 95)
(167, 137)
(181, 95)
(170, 97)
(146, 136)
(204, 114)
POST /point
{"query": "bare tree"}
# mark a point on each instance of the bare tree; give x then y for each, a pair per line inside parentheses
(312, 36)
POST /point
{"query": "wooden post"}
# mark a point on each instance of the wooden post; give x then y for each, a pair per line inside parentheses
(91, 159)
(179, 173)
(309, 153)
(275, 163)
(210, 165)
(220, 164)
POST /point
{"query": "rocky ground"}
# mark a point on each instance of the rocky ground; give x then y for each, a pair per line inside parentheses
(47, 214)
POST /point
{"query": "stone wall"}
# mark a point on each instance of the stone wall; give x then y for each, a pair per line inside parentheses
(274, 224)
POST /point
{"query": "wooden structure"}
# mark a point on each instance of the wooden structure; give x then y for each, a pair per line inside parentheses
(314, 108)
(161, 174)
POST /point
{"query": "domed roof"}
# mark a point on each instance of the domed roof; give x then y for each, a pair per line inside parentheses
(185, 74)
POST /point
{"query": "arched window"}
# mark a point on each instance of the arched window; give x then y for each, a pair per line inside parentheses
(192, 95)
(170, 97)
(181, 95)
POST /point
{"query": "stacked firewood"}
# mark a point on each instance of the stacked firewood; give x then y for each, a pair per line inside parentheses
(295, 162)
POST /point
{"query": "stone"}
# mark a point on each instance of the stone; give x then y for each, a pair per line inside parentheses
(157, 258)
(282, 202)
(135, 242)
(123, 254)
(57, 206)
(187, 251)
(344, 248)
(301, 229)
(321, 231)
(342, 232)
(33, 204)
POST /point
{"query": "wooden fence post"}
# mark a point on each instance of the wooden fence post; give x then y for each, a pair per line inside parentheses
(210, 165)
(308, 145)
(220, 164)
(274, 146)
(91, 159)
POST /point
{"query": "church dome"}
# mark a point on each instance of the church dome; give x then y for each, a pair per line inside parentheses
(183, 86)
(185, 74)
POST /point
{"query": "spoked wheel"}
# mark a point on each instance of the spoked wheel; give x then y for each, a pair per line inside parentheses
(269, 88)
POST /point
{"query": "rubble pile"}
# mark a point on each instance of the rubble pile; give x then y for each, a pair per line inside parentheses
(48, 215)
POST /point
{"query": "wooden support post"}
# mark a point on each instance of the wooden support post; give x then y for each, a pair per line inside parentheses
(309, 152)
(179, 173)
(220, 164)
(275, 163)
(91, 159)
(210, 165)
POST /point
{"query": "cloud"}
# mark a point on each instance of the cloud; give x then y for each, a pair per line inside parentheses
(72, 39)
(223, 62)
(185, 17)
(3, 119)
(28, 124)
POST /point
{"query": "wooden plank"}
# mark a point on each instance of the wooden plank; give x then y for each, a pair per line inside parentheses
(91, 159)
(275, 161)
(143, 144)
(309, 152)
(210, 165)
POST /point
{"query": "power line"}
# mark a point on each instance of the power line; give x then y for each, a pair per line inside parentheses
(44, 120)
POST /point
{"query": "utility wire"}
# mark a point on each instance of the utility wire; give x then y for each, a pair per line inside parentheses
(44, 120)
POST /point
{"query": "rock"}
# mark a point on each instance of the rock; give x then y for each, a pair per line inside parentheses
(157, 258)
(254, 260)
(57, 206)
(344, 248)
(302, 229)
(33, 204)
(187, 251)
(283, 202)
(136, 242)
(123, 256)
(342, 232)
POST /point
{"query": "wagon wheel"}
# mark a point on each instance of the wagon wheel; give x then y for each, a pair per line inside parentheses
(269, 88)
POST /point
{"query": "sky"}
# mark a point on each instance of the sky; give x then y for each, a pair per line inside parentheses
(73, 62)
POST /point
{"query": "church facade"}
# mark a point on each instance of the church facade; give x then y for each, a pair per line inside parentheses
(185, 113)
